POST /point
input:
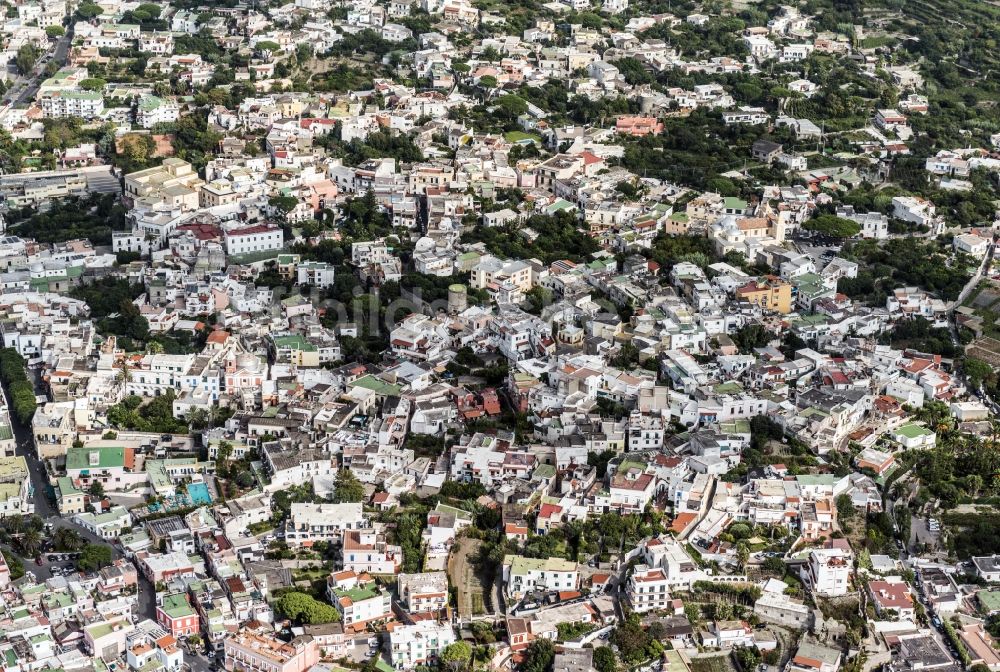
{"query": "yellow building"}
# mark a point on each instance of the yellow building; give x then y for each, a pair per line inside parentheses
(770, 293)
(174, 183)
(71, 499)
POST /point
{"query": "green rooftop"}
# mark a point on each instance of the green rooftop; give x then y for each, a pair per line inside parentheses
(989, 600)
(357, 593)
(817, 479)
(913, 431)
(460, 514)
(628, 465)
(380, 387)
(150, 103)
(810, 284)
(107, 457)
(739, 426)
(294, 342)
(545, 471)
(98, 630)
(176, 606)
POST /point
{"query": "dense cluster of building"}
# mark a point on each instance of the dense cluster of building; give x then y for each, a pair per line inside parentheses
(644, 367)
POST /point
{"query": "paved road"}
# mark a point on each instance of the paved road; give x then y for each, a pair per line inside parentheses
(24, 89)
(46, 508)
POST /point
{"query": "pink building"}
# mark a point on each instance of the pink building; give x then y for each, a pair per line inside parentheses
(639, 126)
(252, 652)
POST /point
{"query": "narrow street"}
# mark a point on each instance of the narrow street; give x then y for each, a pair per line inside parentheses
(46, 507)
(24, 89)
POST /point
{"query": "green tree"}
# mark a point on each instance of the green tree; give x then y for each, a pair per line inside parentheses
(67, 539)
(539, 656)
(977, 371)
(742, 554)
(604, 659)
(93, 84)
(304, 608)
(30, 542)
(347, 488)
(14, 564)
(55, 31)
(722, 611)
(284, 204)
(752, 336)
(831, 225)
(88, 10)
(27, 56)
(93, 557)
(631, 640)
(456, 657)
(845, 507)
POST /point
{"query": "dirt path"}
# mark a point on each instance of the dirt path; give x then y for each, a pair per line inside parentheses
(462, 573)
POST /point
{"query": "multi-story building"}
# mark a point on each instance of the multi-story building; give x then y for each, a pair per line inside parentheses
(367, 551)
(770, 293)
(16, 492)
(828, 572)
(68, 103)
(309, 523)
(173, 183)
(424, 592)
(521, 575)
(259, 238)
(316, 273)
(252, 652)
(358, 599)
(177, 616)
(648, 589)
(892, 598)
(419, 644)
(152, 110)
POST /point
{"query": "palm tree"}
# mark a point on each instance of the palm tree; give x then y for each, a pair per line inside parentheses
(125, 375)
(30, 542)
(14, 524)
(67, 539)
(742, 555)
(198, 418)
(154, 347)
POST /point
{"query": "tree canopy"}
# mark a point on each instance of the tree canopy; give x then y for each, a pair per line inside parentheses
(833, 226)
(306, 609)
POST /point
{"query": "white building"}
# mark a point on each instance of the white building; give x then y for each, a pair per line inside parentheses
(62, 103)
(783, 609)
(521, 574)
(828, 572)
(359, 601)
(367, 551)
(153, 110)
(971, 244)
(260, 238)
(423, 592)
(309, 523)
(419, 644)
(648, 589)
(316, 273)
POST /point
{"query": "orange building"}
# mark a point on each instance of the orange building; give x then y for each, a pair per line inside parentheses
(638, 126)
(770, 293)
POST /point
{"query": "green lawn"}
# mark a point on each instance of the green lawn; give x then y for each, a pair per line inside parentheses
(520, 136)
